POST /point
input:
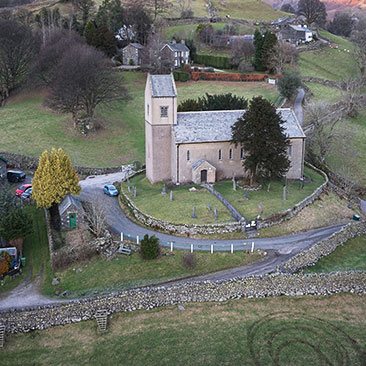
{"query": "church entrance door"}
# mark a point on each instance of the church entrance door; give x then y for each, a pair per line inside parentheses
(204, 176)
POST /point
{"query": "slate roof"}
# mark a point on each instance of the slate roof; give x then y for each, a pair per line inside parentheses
(68, 201)
(136, 45)
(215, 126)
(300, 28)
(198, 163)
(163, 86)
(177, 47)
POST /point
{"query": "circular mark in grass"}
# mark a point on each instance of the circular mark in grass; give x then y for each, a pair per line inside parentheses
(296, 339)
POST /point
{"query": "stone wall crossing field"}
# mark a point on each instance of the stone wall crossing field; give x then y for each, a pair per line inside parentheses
(43, 317)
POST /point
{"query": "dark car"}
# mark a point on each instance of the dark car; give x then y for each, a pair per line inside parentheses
(15, 176)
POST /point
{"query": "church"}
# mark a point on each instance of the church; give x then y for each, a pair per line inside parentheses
(185, 147)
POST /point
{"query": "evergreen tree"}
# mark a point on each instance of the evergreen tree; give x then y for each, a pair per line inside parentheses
(268, 46)
(15, 224)
(54, 178)
(258, 45)
(110, 15)
(260, 133)
(150, 248)
(101, 38)
(214, 102)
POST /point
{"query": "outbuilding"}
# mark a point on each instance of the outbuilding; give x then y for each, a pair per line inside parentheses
(71, 212)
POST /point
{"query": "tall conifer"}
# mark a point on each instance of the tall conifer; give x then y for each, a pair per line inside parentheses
(261, 134)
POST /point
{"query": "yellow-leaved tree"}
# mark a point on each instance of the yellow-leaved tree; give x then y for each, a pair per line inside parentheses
(54, 178)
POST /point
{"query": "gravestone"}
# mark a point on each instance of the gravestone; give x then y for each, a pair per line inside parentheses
(134, 191)
(209, 207)
(163, 191)
(171, 196)
(194, 216)
(246, 195)
(216, 214)
(234, 184)
(284, 193)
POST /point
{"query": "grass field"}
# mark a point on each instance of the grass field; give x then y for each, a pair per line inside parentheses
(330, 63)
(324, 93)
(244, 9)
(122, 139)
(179, 211)
(350, 256)
(272, 201)
(348, 153)
(35, 252)
(100, 275)
(279, 331)
(328, 210)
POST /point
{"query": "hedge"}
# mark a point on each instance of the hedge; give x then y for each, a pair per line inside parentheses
(220, 62)
(181, 76)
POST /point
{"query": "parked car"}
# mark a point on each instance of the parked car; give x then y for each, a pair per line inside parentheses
(15, 264)
(110, 190)
(15, 176)
(27, 193)
(21, 189)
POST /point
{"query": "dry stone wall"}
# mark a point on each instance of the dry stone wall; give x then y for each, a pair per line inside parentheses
(30, 163)
(25, 320)
(324, 247)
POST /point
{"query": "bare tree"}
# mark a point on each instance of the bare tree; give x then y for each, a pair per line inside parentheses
(313, 10)
(284, 54)
(18, 47)
(352, 96)
(84, 80)
(95, 215)
(156, 61)
(57, 44)
(359, 38)
(321, 130)
(241, 50)
(85, 9)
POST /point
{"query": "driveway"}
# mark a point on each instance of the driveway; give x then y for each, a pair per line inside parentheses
(298, 106)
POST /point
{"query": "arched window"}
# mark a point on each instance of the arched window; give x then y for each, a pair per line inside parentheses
(188, 155)
(220, 154)
(242, 154)
(231, 154)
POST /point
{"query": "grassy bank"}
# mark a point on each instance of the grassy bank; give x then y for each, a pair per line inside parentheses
(125, 272)
(350, 256)
(272, 201)
(272, 331)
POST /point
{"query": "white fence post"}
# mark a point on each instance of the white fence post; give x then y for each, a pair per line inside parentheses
(137, 239)
(252, 247)
(191, 248)
(211, 248)
(232, 248)
(121, 236)
(171, 246)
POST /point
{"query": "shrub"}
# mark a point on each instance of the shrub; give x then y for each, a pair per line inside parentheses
(187, 14)
(245, 66)
(289, 83)
(189, 260)
(150, 248)
(15, 224)
(181, 76)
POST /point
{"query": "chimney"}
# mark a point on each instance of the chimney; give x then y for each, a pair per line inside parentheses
(183, 41)
(174, 41)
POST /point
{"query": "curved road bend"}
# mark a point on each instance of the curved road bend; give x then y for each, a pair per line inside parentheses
(118, 222)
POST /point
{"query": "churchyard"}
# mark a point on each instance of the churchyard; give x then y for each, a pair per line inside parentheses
(269, 331)
(177, 207)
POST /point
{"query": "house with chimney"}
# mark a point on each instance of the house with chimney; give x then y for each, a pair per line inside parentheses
(296, 34)
(176, 53)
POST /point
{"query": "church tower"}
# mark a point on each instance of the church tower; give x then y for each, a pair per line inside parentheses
(160, 116)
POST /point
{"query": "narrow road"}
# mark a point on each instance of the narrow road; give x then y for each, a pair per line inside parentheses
(298, 105)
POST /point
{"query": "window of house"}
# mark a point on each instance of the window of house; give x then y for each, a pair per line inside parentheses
(148, 109)
(231, 154)
(241, 153)
(163, 111)
(220, 154)
(188, 155)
